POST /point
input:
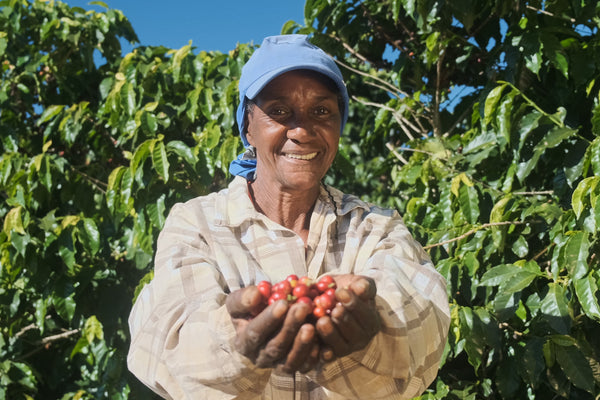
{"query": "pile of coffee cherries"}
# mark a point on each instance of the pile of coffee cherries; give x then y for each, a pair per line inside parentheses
(319, 295)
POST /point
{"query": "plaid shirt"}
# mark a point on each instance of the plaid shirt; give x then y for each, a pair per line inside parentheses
(182, 335)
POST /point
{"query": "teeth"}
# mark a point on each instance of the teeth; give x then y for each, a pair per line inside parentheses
(309, 156)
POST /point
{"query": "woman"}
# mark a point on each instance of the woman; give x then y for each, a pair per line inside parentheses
(200, 330)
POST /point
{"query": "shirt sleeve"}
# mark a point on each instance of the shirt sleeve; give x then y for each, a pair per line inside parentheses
(181, 333)
(403, 358)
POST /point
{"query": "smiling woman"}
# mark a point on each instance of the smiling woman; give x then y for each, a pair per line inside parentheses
(202, 327)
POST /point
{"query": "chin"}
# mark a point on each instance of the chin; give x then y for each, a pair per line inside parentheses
(303, 183)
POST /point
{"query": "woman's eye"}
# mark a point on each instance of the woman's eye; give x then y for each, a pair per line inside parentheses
(278, 111)
(321, 110)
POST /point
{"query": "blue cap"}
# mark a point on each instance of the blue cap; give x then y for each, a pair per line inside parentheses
(280, 54)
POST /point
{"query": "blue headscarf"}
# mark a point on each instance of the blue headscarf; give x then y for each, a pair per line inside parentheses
(277, 55)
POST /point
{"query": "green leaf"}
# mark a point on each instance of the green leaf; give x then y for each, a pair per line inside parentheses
(210, 135)
(520, 247)
(141, 154)
(555, 309)
(554, 137)
(593, 151)
(533, 61)
(178, 58)
(575, 253)
(127, 95)
(67, 250)
(90, 236)
(587, 293)
(13, 221)
(576, 367)
(578, 200)
(469, 203)
(228, 151)
(396, 7)
(504, 116)
(148, 122)
(15, 303)
(79, 346)
(41, 306)
(496, 275)
(160, 161)
(518, 281)
(49, 113)
(156, 212)
(490, 103)
(498, 211)
(64, 306)
(474, 345)
(528, 124)
(93, 329)
(532, 363)
(183, 151)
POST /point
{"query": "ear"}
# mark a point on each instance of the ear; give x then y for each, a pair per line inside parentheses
(248, 124)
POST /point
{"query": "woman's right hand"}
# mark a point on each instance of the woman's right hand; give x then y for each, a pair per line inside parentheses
(277, 336)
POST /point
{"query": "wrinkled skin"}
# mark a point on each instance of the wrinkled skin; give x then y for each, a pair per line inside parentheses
(354, 320)
(280, 337)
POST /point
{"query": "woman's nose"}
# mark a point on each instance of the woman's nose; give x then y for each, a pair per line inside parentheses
(299, 127)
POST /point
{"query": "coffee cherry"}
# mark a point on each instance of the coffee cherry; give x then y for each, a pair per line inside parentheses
(320, 295)
(306, 300)
(300, 290)
(292, 279)
(275, 296)
(283, 287)
(325, 283)
(324, 301)
(264, 287)
(319, 312)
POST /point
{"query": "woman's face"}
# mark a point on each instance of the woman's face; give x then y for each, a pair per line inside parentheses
(294, 125)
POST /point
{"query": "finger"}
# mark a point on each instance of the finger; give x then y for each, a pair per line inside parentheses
(331, 336)
(326, 353)
(313, 356)
(364, 312)
(301, 349)
(260, 329)
(364, 288)
(243, 302)
(278, 347)
(351, 329)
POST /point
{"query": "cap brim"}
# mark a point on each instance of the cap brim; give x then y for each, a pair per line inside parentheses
(261, 82)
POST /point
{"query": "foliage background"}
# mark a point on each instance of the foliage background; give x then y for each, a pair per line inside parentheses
(482, 129)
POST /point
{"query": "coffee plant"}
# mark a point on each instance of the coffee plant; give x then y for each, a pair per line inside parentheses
(478, 120)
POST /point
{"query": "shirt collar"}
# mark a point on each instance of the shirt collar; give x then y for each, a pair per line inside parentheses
(238, 208)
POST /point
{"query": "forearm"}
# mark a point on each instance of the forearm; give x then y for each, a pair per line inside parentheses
(399, 362)
(403, 358)
(186, 351)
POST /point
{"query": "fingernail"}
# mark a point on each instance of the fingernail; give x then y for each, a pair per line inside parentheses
(343, 295)
(305, 335)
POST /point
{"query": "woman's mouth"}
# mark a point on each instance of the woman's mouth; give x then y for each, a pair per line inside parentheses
(308, 156)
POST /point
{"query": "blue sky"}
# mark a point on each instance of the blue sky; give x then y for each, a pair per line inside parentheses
(210, 24)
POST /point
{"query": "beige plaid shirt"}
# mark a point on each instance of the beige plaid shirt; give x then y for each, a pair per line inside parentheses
(182, 336)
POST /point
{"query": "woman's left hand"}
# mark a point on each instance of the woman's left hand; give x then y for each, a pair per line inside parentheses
(353, 322)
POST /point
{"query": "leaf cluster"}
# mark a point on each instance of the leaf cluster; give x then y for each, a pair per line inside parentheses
(479, 120)
(95, 149)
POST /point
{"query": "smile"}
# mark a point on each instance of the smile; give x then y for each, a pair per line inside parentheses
(308, 156)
